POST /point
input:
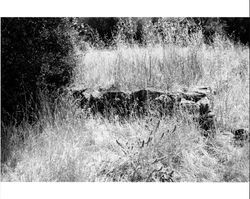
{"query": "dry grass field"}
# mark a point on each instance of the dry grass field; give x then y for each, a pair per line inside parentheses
(69, 146)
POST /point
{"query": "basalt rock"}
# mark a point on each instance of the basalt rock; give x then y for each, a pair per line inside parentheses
(108, 102)
(241, 136)
(141, 100)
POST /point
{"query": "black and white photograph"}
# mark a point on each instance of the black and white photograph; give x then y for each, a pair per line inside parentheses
(125, 99)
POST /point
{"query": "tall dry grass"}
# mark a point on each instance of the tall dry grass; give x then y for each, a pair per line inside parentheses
(223, 66)
(149, 149)
(68, 146)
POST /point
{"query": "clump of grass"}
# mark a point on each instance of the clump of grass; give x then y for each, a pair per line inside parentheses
(149, 149)
(140, 67)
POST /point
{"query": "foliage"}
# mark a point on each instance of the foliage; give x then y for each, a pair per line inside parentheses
(238, 29)
(35, 58)
(68, 144)
(96, 31)
(155, 29)
(36, 62)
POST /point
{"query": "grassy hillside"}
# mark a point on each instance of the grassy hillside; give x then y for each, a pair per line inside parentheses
(69, 146)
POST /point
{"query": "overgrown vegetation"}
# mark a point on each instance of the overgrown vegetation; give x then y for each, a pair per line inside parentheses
(36, 61)
(66, 144)
(136, 28)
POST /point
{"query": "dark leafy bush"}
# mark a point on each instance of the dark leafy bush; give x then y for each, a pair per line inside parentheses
(36, 57)
(137, 29)
(96, 31)
(238, 29)
(36, 63)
